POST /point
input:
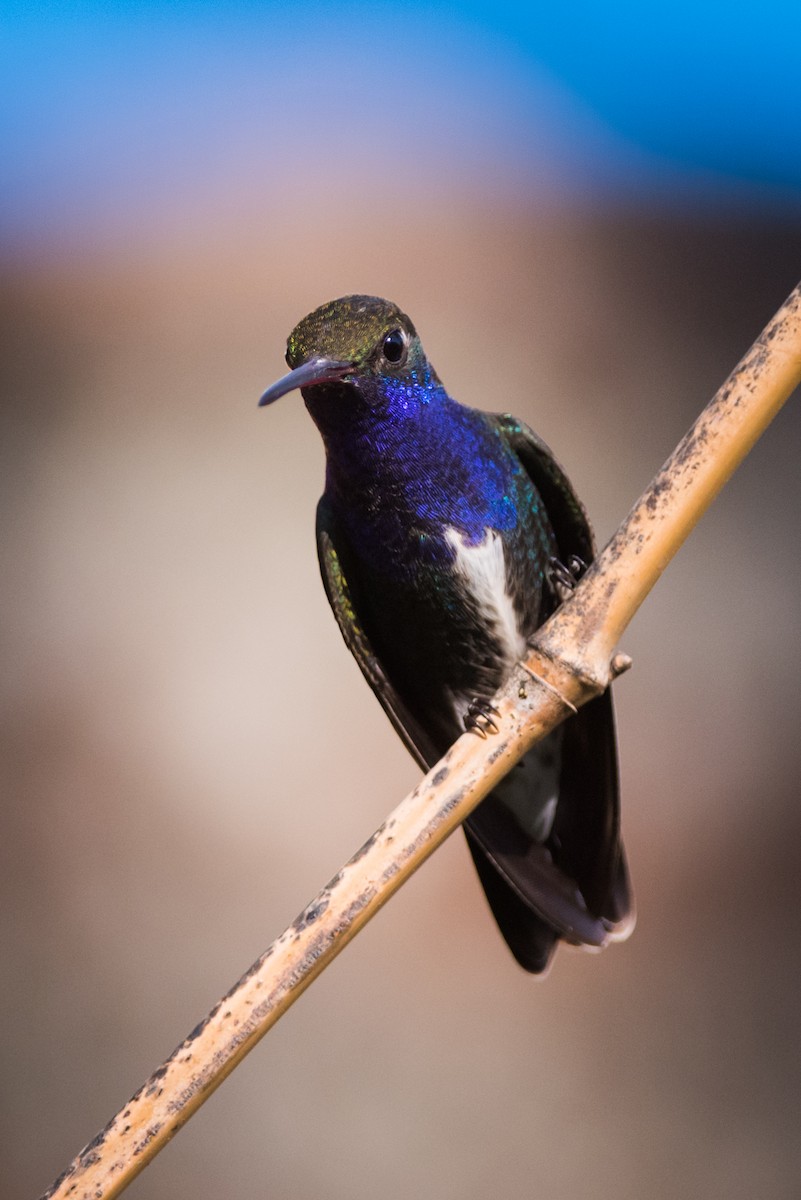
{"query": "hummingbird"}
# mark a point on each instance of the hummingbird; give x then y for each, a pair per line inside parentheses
(446, 536)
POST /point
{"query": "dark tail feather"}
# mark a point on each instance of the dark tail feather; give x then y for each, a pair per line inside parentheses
(576, 885)
(586, 830)
(531, 940)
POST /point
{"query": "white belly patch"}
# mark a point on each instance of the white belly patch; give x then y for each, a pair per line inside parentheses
(483, 569)
(530, 791)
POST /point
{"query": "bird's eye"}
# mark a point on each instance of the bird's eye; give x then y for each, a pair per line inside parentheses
(394, 346)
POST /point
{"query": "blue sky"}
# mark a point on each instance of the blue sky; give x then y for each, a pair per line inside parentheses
(117, 108)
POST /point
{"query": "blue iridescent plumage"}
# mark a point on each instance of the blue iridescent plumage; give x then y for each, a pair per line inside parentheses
(436, 532)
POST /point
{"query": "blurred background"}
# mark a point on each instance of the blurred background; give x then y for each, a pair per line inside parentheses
(589, 214)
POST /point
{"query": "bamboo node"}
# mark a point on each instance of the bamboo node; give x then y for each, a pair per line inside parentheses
(550, 687)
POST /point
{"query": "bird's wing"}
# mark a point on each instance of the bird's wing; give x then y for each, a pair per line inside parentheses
(333, 553)
(585, 842)
(565, 511)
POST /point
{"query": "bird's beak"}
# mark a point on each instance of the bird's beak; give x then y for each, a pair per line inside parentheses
(316, 370)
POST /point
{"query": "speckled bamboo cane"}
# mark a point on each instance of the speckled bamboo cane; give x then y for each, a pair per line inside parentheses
(572, 660)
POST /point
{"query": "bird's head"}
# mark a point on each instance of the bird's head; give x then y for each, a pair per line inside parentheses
(353, 345)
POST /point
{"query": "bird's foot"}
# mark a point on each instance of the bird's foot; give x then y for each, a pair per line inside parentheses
(479, 717)
(563, 576)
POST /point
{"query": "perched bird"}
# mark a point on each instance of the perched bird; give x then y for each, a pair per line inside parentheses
(446, 536)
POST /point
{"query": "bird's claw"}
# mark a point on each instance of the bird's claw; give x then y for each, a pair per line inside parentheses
(563, 576)
(479, 718)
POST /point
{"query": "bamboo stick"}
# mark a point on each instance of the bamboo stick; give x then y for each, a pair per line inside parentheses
(571, 661)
